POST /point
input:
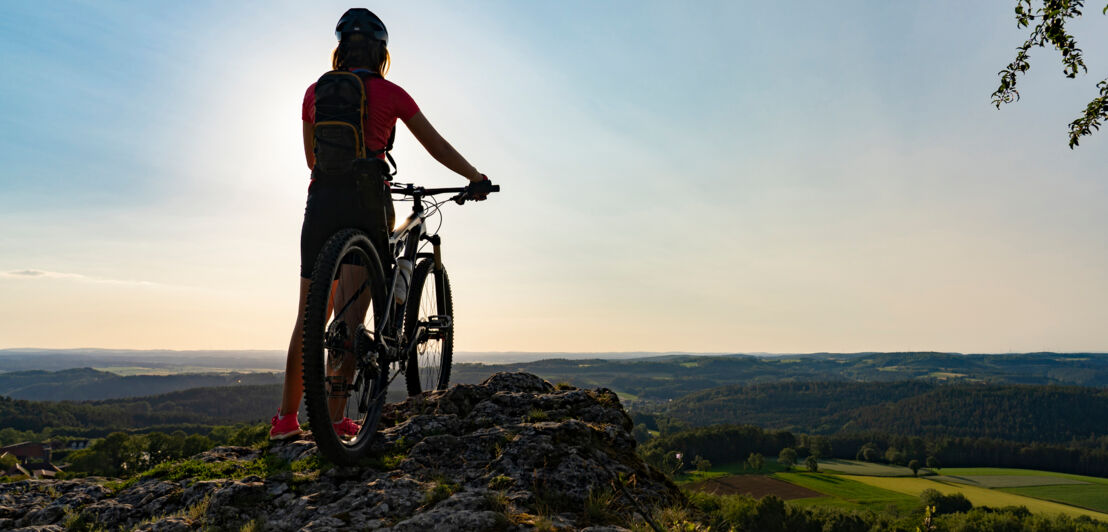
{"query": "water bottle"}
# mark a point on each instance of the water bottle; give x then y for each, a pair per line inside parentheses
(403, 277)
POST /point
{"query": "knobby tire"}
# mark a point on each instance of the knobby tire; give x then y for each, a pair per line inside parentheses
(344, 244)
(435, 351)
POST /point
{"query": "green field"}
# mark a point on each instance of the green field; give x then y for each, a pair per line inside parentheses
(850, 492)
(1001, 471)
(978, 496)
(853, 467)
(1013, 481)
(734, 468)
(1091, 496)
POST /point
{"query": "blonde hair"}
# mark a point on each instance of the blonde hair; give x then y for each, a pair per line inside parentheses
(344, 57)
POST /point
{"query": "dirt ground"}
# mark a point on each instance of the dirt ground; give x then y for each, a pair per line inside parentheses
(756, 486)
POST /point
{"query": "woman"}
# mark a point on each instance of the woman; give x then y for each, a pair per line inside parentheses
(332, 206)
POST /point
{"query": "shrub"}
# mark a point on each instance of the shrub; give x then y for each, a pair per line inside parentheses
(945, 504)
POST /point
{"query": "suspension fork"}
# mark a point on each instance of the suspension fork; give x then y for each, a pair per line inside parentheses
(436, 245)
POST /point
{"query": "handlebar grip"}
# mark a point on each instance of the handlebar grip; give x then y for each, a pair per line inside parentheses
(495, 188)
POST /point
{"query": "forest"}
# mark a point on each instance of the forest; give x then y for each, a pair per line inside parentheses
(1024, 413)
(721, 444)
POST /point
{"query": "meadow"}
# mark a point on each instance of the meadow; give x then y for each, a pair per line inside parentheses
(978, 496)
(1091, 496)
(1075, 490)
(854, 467)
(850, 491)
(848, 484)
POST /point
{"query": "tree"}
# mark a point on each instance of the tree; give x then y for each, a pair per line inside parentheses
(914, 466)
(945, 504)
(787, 457)
(933, 463)
(812, 464)
(894, 456)
(8, 461)
(868, 452)
(640, 433)
(755, 461)
(1050, 29)
(701, 464)
(821, 447)
(195, 444)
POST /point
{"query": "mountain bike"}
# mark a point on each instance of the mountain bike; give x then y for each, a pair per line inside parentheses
(366, 322)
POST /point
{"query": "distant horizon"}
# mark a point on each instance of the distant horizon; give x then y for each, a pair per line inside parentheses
(282, 352)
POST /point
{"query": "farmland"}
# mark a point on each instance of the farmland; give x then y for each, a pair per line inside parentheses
(978, 496)
(851, 491)
(756, 486)
(1003, 471)
(888, 489)
(1091, 496)
(1075, 490)
(852, 467)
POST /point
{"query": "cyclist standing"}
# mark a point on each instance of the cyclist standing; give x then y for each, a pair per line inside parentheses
(335, 204)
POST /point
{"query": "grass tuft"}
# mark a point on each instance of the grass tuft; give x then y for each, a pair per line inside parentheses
(500, 482)
(440, 492)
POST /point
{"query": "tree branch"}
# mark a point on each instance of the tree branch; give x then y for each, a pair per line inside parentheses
(1050, 29)
(1095, 113)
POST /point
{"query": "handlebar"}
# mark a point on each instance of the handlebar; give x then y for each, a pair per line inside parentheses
(461, 193)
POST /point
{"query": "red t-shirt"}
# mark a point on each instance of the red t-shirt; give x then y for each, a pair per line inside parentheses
(387, 102)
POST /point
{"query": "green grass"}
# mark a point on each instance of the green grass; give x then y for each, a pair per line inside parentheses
(1091, 496)
(826, 502)
(1014, 481)
(197, 470)
(854, 467)
(626, 396)
(855, 494)
(1001, 471)
(734, 468)
(978, 496)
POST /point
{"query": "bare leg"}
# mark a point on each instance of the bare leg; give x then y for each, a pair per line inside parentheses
(351, 278)
(294, 364)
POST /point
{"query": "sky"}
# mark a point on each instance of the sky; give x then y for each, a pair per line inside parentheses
(718, 176)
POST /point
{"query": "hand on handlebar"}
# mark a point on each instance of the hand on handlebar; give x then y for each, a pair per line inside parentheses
(477, 190)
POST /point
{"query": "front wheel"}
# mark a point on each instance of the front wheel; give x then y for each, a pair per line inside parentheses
(429, 320)
(345, 380)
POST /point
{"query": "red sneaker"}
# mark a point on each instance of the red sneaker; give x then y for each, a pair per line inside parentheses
(347, 428)
(284, 427)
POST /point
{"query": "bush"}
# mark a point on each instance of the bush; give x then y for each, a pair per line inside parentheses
(945, 504)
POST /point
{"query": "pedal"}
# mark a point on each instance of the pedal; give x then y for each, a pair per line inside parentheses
(438, 326)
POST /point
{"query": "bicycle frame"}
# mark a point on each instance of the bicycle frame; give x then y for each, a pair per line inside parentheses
(404, 243)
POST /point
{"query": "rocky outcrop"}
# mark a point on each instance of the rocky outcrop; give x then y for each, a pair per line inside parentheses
(512, 453)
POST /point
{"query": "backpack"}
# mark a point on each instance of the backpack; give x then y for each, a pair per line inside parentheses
(338, 141)
(338, 138)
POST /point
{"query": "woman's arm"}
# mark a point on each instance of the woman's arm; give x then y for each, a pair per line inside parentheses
(309, 155)
(437, 146)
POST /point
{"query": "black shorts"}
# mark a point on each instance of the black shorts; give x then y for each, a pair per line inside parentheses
(335, 204)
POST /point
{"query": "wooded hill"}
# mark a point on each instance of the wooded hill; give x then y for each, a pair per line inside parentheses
(670, 377)
(198, 406)
(639, 380)
(1050, 414)
(89, 384)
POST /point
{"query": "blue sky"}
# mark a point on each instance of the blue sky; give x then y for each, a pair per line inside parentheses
(717, 176)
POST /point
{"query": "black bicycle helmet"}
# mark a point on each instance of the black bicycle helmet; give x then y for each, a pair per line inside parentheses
(361, 20)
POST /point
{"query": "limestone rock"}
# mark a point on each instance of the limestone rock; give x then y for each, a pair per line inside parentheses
(502, 455)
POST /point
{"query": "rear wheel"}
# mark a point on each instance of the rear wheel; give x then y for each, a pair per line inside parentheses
(430, 315)
(343, 375)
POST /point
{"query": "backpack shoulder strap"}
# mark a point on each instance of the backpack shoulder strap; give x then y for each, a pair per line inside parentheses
(387, 150)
